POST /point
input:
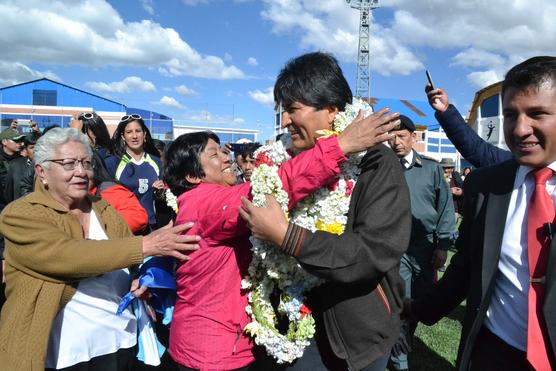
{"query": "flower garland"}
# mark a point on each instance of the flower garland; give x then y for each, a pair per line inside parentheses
(272, 270)
(171, 200)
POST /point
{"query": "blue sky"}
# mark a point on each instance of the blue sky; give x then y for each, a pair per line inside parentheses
(216, 60)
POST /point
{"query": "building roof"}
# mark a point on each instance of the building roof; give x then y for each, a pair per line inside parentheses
(59, 83)
(480, 96)
(420, 112)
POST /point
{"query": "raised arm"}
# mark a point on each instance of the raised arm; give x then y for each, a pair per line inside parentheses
(471, 146)
(320, 165)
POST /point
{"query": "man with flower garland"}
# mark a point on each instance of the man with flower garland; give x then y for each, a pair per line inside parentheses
(357, 309)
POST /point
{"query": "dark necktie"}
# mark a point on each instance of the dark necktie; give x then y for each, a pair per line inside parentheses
(540, 212)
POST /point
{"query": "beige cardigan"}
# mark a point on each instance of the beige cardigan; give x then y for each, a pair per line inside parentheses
(46, 256)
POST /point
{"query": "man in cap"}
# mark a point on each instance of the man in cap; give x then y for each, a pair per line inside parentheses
(12, 142)
(433, 228)
(456, 185)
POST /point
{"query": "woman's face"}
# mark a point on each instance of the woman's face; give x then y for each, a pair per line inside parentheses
(134, 136)
(216, 165)
(67, 186)
(303, 121)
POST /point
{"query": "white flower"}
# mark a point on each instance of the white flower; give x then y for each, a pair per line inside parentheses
(171, 200)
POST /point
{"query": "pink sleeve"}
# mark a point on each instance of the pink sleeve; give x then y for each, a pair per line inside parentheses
(311, 169)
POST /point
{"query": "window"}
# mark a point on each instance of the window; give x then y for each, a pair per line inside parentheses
(45, 97)
(489, 107)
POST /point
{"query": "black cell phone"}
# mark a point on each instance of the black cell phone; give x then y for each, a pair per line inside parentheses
(429, 78)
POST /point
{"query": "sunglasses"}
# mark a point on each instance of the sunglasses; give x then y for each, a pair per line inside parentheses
(86, 116)
(131, 117)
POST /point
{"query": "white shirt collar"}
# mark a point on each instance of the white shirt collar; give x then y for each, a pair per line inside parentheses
(523, 170)
(409, 158)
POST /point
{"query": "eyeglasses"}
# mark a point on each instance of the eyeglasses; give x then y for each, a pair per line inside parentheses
(131, 117)
(86, 116)
(70, 164)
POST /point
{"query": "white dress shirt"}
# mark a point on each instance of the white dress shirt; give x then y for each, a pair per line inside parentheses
(508, 310)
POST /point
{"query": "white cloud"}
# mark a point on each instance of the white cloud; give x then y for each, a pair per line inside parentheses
(265, 97)
(15, 73)
(92, 33)
(332, 26)
(481, 79)
(252, 61)
(169, 102)
(486, 35)
(129, 84)
(148, 6)
(185, 91)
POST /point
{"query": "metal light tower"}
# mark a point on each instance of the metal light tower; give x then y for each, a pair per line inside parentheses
(363, 84)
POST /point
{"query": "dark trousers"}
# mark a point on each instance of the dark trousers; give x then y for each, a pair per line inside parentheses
(317, 358)
(418, 275)
(122, 360)
(490, 353)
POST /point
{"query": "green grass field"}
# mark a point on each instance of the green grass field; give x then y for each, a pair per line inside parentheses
(435, 347)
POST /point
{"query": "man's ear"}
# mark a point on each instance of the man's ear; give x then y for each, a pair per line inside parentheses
(414, 136)
(332, 111)
(192, 179)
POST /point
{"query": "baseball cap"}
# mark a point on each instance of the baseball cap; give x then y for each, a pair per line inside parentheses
(12, 134)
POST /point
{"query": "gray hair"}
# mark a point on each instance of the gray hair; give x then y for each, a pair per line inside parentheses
(49, 142)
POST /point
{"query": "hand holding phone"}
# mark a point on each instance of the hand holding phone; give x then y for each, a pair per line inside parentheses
(430, 79)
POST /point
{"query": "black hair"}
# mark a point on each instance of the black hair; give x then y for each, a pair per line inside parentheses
(249, 149)
(314, 79)
(118, 142)
(533, 72)
(98, 127)
(100, 174)
(159, 144)
(183, 159)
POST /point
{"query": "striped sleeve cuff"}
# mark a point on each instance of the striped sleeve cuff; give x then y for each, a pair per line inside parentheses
(295, 236)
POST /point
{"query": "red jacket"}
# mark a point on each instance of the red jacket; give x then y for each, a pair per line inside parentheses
(126, 204)
(209, 316)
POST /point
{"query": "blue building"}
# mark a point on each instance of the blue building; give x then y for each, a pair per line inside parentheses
(50, 102)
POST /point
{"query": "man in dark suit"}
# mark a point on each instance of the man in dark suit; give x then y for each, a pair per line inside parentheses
(505, 266)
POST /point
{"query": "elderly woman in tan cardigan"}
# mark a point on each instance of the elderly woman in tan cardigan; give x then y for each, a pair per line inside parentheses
(67, 257)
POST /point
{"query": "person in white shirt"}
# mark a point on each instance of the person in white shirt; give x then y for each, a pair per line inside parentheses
(506, 262)
(67, 257)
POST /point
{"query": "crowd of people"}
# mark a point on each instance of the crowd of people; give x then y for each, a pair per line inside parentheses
(85, 212)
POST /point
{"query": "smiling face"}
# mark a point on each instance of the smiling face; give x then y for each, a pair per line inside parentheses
(303, 121)
(134, 137)
(530, 124)
(216, 165)
(69, 187)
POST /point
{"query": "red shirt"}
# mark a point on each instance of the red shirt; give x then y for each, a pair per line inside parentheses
(209, 316)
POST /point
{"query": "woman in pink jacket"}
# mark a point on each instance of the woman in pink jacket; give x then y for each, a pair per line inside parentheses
(209, 315)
